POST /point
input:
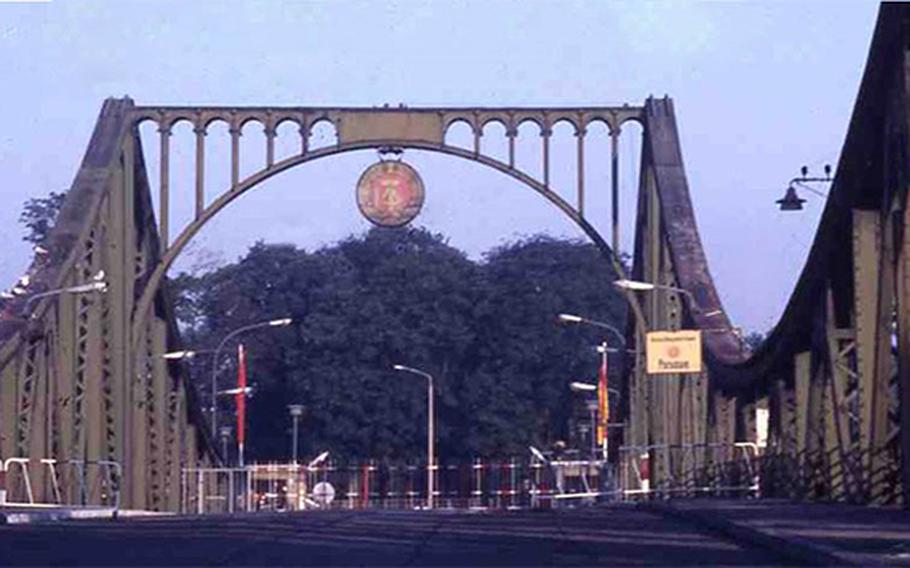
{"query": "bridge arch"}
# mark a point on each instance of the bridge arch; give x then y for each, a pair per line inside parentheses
(171, 252)
(831, 379)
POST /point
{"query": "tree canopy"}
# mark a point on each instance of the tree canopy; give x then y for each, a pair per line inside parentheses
(486, 330)
(39, 214)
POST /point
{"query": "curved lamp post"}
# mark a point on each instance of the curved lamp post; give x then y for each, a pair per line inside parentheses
(184, 354)
(638, 286)
(579, 386)
(571, 318)
(97, 284)
(791, 201)
(576, 386)
(583, 387)
(283, 322)
(430, 422)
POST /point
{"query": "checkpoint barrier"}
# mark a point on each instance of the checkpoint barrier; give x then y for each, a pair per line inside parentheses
(259, 487)
(643, 472)
(690, 470)
(480, 484)
(47, 481)
(238, 489)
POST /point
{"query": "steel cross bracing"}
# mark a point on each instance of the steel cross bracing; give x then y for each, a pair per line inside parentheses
(82, 375)
(74, 388)
(362, 128)
(81, 379)
(834, 374)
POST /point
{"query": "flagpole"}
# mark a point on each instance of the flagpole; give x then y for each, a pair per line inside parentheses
(604, 400)
(241, 402)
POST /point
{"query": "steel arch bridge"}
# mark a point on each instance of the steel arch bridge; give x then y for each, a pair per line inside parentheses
(82, 381)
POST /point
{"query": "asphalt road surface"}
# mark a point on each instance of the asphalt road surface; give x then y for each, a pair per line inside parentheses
(615, 535)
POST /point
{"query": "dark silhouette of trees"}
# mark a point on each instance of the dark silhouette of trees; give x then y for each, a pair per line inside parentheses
(39, 214)
(486, 330)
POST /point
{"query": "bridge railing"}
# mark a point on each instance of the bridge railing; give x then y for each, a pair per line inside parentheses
(690, 470)
(479, 484)
(51, 482)
(832, 475)
(741, 469)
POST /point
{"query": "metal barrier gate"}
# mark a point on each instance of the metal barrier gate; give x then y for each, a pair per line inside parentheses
(48, 482)
(690, 470)
(480, 484)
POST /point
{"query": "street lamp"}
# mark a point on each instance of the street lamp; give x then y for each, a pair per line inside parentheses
(591, 404)
(638, 286)
(572, 318)
(245, 391)
(576, 386)
(225, 433)
(296, 411)
(793, 202)
(96, 284)
(184, 354)
(283, 322)
(603, 348)
(430, 426)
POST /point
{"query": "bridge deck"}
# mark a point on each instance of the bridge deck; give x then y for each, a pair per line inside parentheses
(614, 535)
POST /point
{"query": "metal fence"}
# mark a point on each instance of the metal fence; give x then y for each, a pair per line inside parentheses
(860, 476)
(46, 481)
(683, 471)
(690, 470)
(479, 484)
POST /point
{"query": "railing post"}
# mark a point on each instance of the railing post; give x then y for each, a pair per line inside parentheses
(200, 495)
(477, 491)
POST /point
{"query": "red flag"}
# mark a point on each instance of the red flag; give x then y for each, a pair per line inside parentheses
(603, 401)
(240, 398)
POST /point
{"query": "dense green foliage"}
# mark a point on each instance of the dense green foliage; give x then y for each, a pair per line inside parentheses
(487, 331)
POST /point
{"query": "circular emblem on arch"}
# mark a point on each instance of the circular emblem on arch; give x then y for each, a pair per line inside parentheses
(390, 194)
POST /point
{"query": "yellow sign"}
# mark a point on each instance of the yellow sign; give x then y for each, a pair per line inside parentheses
(673, 352)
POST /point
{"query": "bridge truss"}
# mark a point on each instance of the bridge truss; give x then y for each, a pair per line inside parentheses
(834, 373)
(82, 379)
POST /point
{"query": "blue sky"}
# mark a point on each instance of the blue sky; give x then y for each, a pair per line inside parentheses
(760, 89)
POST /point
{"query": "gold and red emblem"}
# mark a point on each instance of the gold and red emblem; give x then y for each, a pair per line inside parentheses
(390, 193)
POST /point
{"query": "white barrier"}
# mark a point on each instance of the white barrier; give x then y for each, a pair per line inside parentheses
(110, 476)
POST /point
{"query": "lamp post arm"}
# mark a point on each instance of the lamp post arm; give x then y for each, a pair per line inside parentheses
(828, 179)
(218, 349)
(608, 327)
(414, 371)
(692, 302)
(98, 286)
(34, 298)
(807, 187)
(237, 332)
